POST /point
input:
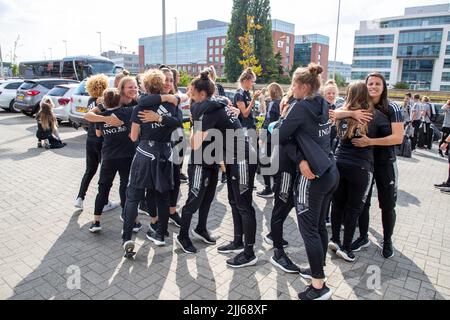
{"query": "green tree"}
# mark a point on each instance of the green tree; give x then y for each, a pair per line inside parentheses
(264, 49)
(237, 29)
(402, 85)
(15, 70)
(340, 81)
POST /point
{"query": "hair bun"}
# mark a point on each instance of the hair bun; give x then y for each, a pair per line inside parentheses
(315, 69)
(204, 75)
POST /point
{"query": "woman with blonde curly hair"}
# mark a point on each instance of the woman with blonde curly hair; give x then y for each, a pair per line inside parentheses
(95, 86)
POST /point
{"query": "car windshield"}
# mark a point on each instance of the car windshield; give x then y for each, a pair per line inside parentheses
(102, 67)
(58, 91)
(81, 90)
(28, 85)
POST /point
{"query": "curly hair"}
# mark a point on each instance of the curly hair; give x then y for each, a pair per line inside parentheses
(153, 81)
(96, 85)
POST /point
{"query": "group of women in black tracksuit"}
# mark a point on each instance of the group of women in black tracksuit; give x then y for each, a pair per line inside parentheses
(309, 175)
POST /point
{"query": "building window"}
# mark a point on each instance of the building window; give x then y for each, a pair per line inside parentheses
(211, 43)
(217, 42)
(217, 51)
(370, 64)
(418, 50)
(445, 76)
(222, 59)
(447, 64)
(447, 51)
(416, 22)
(216, 59)
(428, 36)
(373, 52)
(211, 51)
(381, 39)
(288, 40)
(363, 75)
(223, 41)
(222, 50)
(288, 49)
(445, 88)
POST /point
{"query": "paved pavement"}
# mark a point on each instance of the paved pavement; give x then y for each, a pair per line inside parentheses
(45, 245)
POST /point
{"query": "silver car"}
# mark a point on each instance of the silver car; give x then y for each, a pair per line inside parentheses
(61, 96)
(31, 92)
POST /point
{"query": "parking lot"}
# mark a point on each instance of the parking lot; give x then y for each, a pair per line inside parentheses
(44, 242)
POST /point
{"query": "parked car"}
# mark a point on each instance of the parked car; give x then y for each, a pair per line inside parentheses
(31, 92)
(61, 96)
(78, 106)
(8, 92)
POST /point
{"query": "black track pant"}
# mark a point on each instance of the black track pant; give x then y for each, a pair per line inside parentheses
(175, 193)
(386, 179)
(312, 200)
(268, 154)
(240, 181)
(415, 139)
(93, 159)
(202, 191)
(284, 203)
(134, 196)
(349, 201)
(108, 173)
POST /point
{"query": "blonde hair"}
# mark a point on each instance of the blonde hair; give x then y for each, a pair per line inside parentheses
(212, 73)
(310, 76)
(153, 81)
(331, 85)
(45, 116)
(358, 98)
(247, 74)
(111, 98)
(275, 91)
(425, 99)
(95, 85)
(120, 76)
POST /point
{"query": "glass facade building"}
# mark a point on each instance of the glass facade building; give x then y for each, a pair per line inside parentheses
(414, 48)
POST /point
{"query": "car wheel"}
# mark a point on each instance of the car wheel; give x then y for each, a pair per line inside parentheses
(12, 108)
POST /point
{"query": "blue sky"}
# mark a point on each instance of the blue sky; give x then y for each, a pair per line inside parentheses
(44, 24)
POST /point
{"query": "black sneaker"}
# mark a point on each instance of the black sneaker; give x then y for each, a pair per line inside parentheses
(313, 294)
(154, 227)
(282, 261)
(129, 250)
(186, 245)
(157, 239)
(137, 227)
(442, 185)
(204, 236)
(175, 219)
(345, 254)
(95, 227)
(445, 191)
(266, 194)
(39, 145)
(388, 250)
(242, 261)
(269, 240)
(360, 243)
(231, 248)
(306, 273)
(183, 178)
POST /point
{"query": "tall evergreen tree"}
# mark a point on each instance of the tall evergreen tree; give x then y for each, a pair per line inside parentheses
(237, 28)
(264, 49)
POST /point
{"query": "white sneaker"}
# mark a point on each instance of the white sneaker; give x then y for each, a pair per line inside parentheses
(110, 206)
(79, 203)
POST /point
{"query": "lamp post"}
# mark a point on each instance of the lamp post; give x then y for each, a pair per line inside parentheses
(100, 34)
(65, 44)
(164, 32)
(337, 39)
(176, 43)
(51, 53)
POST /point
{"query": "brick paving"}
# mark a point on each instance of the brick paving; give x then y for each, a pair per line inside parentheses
(42, 238)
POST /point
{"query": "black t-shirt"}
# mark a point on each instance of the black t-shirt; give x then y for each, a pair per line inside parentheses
(91, 135)
(161, 132)
(347, 153)
(273, 113)
(385, 155)
(245, 97)
(216, 115)
(117, 143)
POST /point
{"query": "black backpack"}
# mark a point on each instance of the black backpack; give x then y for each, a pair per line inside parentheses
(433, 115)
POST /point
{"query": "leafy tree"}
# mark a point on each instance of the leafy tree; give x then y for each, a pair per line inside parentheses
(237, 29)
(402, 85)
